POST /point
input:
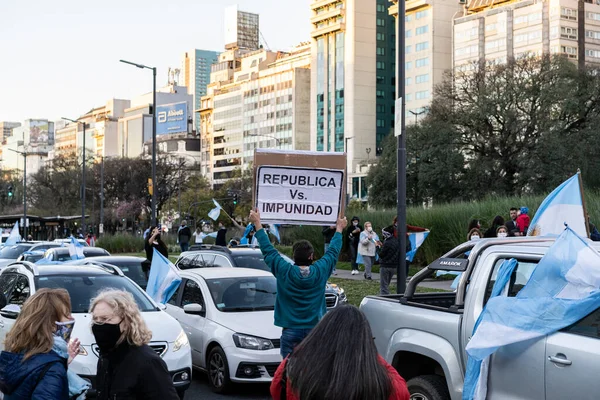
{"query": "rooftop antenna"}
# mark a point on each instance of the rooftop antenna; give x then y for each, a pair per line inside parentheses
(264, 41)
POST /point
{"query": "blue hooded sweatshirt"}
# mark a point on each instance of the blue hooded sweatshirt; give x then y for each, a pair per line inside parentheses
(19, 378)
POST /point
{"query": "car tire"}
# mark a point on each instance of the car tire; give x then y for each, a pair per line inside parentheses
(428, 387)
(218, 371)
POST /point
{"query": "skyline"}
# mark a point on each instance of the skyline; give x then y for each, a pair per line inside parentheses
(50, 81)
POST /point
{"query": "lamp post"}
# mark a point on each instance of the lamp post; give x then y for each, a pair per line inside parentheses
(277, 141)
(24, 154)
(82, 175)
(154, 185)
(416, 114)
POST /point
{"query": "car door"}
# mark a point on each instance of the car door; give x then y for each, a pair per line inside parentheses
(193, 325)
(572, 365)
(16, 289)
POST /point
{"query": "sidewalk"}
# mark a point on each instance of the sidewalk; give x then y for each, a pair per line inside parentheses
(428, 283)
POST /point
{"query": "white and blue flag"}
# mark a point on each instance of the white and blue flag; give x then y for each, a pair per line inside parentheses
(215, 212)
(274, 230)
(244, 238)
(14, 236)
(563, 289)
(163, 280)
(563, 205)
(416, 240)
(75, 249)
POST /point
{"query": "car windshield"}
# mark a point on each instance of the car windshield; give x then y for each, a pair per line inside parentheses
(243, 294)
(82, 289)
(33, 257)
(13, 252)
(133, 270)
(255, 261)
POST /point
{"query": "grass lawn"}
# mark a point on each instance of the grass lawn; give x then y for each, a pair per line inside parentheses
(357, 290)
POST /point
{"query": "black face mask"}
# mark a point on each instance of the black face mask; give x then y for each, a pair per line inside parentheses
(107, 336)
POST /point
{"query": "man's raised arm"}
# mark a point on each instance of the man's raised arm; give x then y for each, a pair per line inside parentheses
(273, 259)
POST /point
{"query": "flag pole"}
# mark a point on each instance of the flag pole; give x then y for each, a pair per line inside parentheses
(585, 214)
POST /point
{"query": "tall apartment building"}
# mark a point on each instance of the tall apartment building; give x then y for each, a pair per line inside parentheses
(241, 29)
(428, 49)
(501, 30)
(195, 74)
(257, 99)
(34, 136)
(6, 129)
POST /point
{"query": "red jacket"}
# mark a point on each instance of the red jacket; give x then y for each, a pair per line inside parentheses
(523, 222)
(399, 389)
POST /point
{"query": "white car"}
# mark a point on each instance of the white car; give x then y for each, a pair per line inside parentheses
(228, 316)
(21, 279)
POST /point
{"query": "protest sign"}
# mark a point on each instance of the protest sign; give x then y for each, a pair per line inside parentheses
(299, 187)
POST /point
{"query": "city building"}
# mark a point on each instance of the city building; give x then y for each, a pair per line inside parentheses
(36, 138)
(6, 129)
(428, 36)
(256, 99)
(241, 29)
(501, 30)
(195, 75)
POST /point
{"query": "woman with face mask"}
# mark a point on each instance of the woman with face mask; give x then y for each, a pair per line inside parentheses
(502, 232)
(39, 349)
(127, 368)
(474, 234)
(368, 243)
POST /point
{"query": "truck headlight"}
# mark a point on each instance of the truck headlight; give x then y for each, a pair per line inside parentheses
(181, 341)
(252, 342)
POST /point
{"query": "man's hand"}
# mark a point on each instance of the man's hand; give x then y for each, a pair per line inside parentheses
(341, 224)
(255, 219)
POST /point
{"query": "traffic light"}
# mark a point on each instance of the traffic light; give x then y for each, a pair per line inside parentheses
(10, 191)
(235, 199)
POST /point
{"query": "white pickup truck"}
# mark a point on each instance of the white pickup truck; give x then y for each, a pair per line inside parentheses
(424, 335)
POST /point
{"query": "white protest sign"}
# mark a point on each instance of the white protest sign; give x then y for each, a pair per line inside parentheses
(298, 195)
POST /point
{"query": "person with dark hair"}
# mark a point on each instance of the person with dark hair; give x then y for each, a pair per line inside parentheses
(153, 241)
(496, 223)
(474, 234)
(511, 226)
(474, 224)
(353, 235)
(300, 301)
(184, 234)
(338, 361)
(388, 260)
(221, 235)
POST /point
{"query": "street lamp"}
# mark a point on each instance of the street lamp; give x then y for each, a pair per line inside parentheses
(82, 175)
(277, 141)
(154, 185)
(416, 114)
(24, 154)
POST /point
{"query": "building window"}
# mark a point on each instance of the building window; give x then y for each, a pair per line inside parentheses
(408, 65)
(422, 14)
(381, 8)
(422, 62)
(380, 51)
(407, 49)
(380, 22)
(422, 78)
(380, 65)
(380, 36)
(380, 108)
(422, 95)
(407, 33)
(593, 53)
(380, 80)
(568, 13)
(592, 34)
(422, 46)
(408, 97)
(381, 123)
(422, 30)
(407, 81)
(380, 94)
(407, 18)
(594, 16)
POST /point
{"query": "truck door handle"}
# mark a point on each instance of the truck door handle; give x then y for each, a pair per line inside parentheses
(560, 359)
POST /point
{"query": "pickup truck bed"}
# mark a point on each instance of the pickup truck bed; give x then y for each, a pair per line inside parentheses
(432, 301)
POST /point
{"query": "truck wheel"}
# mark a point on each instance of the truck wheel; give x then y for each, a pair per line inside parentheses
(428, 387)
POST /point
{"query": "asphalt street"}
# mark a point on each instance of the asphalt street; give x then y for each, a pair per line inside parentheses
(200, 390)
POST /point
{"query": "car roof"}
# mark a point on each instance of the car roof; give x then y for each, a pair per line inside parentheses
(97, 250)
(217, 272)
(63, 269)
(108, 259)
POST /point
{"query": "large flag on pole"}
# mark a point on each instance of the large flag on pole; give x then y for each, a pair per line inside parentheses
(215, 212)
(274, 230)
(75, 249)
(563, 289)
(163, 280)
(14, 236)
(563, 205)
(416, 240)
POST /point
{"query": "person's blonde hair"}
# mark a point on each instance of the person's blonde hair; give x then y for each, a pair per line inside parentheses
(33, 331)
(133, 326)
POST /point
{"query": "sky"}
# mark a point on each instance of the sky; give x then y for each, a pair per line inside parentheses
(61, 58)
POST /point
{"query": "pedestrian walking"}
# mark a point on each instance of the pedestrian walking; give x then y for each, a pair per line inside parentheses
(300, 301)
(328, 232)
(184, 234)
(338, 361)
(388, 261)
(367, 247)
(353, 235)
(221, 235)
(153, 241)
(36, 357)
(496, 223)
(127, 367)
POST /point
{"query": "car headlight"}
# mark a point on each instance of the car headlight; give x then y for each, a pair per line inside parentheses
(181, 341)
(252, 342)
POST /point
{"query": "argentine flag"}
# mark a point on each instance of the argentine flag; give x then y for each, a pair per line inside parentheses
(563, 289)
(163, 280)
(244, 238)
(14, 236)
(274, 230)
(215, 212)
(416, 240)
(75, 249)
(563, 205)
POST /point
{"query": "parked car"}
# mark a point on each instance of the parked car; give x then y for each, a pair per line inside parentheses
(424, 335)
(68, 240)
(43, 246)
(9, 254)
(31, 256)
(228, 316)
(62, 253)
(131, 266)
(22, 279)
(245, 257)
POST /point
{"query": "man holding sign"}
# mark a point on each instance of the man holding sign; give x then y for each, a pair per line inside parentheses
(300, 302)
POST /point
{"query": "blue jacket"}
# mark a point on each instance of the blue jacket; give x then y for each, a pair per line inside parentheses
(300, 301)
(21, 377)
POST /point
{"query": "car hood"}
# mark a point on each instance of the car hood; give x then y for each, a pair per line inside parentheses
(255, 323)
(5, 261)
(164, 327)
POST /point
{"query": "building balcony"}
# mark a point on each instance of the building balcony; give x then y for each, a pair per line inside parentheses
(321, 3)
(334, 27)
(329, 14)
(393, 9)
(413, 5)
